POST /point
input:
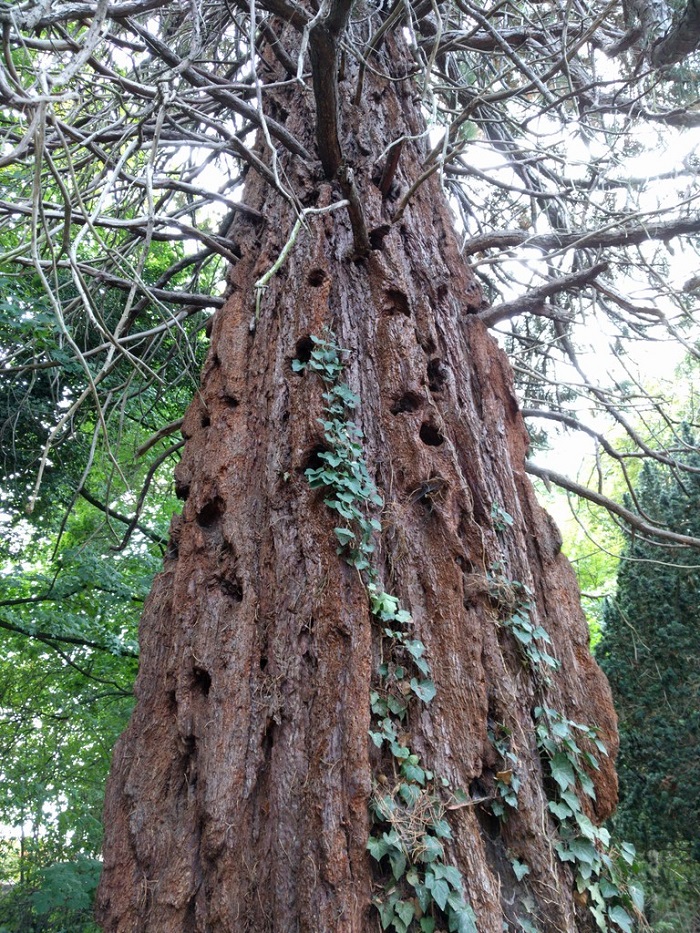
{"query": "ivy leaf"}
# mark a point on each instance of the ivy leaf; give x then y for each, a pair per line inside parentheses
(451, 874)
(344, 535)
(432, 849)
(441, 828)
(425, 690)
(462, 920)
(409, 793)
(560, 810)
(399, 751)
(378, 848)
(583, 851)
(636, 892)
(520, 869)
(619, 916)
(427, 924)
(413, 773)
(562, 771)
(406, 911)
(586, 784)
(627, 851)
(439, 889)
(415, 648)
(586, 826)
(398, 865)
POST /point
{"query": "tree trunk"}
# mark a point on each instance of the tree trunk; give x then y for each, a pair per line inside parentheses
(239, 795)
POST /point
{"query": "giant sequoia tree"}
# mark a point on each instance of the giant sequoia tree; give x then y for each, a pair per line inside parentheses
(365, 693)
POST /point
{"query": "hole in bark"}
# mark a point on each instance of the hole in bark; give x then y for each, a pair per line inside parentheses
(230, 400)
(437, 375)
(316, 277)
(263, 662)
(182, 489)
(304, 349)
(210, 513)
(172, 701)
(429, 491)
(202, 680)
(313, 459)
(205, 421)
(397, 302)
(376, 236)
(232, 588)
(442, 291)
(430, 435)
(409, 401)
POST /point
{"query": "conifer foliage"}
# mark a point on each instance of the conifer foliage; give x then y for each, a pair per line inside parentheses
(651, 653)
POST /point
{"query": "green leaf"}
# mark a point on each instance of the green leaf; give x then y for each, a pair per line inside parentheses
(377, 848)
(344, 536)
(462, 920)
(586, 826)
(413, 773)
(431, 849)
(405, 910)
(562, 771)
(583, 851)
(398, 864)
(619, 916)
(427, 924)
(442, 829)
(450, 874)
(636, 893)
(425, 690)
(409, 793)
(520, 869)
(439, 889)
(628, 852)
(560, 810)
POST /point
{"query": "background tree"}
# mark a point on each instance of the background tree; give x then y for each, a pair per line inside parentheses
(101, 99)
(651, 654)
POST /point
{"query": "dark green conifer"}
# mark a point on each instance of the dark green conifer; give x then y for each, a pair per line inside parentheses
(650, 651)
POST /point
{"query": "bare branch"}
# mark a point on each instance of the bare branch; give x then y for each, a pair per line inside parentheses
(533, 302)
(630, 519)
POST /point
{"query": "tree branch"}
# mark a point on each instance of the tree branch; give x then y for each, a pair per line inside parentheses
(124, 519)
(634, 521)
(627, 235)
(533, 302)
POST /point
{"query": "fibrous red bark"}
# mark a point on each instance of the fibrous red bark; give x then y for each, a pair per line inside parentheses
(238, 799)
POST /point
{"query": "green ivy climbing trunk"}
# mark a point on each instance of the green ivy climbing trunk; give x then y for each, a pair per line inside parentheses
(246, 789)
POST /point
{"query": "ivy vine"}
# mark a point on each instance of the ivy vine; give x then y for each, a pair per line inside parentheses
(409, 807)
(601, 873)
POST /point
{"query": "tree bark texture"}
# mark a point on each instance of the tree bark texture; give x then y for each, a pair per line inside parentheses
(238, 799)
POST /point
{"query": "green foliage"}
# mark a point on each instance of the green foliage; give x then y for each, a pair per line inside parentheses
(650, 651)
(601, 873)
(70, 598)
(508, 782)
(54, 899)
(516, 599)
